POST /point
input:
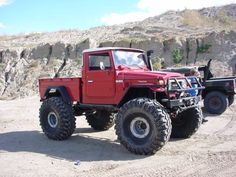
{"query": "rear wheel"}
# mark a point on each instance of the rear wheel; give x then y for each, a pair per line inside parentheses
(143, 126)
(100, 120)
(57, 119)
(186, 123)
(216, 102)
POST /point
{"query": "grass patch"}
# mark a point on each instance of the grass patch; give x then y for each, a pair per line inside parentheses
(33, 64)
(2, 65)
(54, 62)
(193, 18)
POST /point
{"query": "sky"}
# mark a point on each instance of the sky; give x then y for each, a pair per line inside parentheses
(23, 16)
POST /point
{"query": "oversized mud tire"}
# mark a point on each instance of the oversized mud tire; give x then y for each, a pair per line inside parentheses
(100, 120)
(231, 99)
(186, 123)
(143, 126)
(56, 119)
(216, 102)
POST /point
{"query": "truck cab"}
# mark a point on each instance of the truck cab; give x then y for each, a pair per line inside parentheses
(118, 85)
(108, 73)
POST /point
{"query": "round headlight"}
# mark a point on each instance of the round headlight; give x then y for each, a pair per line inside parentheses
(160, 82)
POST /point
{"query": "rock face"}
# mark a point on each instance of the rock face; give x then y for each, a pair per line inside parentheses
(42, 51)
(171, 36)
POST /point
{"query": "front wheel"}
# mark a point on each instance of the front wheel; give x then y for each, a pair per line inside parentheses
(186, 123)
(143, 126)
(216, 102)
(56, 119)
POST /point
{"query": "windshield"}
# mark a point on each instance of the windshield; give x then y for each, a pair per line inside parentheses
(129, 58)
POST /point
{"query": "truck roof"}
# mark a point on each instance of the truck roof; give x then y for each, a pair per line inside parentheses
(112, 48)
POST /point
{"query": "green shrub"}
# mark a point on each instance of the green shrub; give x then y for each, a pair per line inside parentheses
(177, 55)
(203, 48)
(157, 66)
(157, 63)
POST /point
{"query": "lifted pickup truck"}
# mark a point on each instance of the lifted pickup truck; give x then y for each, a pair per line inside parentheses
(117, 85)
(218, 93)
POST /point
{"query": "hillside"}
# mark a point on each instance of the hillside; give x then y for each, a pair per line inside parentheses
(196, 35)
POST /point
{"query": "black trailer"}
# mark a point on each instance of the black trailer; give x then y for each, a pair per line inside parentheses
(219, 91)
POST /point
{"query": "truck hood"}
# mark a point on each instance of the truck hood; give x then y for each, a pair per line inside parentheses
(142, 75)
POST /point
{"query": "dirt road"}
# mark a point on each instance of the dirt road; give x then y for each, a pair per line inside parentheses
(25, 151)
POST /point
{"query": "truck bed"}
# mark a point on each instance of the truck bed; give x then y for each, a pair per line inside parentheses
(72, 85)
(221, 78)
(228, 84)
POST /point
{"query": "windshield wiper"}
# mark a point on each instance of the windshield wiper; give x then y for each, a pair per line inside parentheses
(141, 67)
(121, 67)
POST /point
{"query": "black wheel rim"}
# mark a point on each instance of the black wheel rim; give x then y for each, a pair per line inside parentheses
(215, 103)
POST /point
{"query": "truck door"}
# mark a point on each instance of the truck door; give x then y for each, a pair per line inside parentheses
(99, 82)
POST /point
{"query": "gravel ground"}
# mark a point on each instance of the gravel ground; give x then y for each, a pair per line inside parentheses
(25, 150)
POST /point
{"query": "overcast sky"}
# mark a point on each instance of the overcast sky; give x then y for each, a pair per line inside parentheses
(18, 16)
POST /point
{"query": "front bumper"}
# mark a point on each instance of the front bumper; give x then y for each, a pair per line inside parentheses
(183, 103)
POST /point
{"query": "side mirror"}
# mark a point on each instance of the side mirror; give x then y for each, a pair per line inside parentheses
(102, 67)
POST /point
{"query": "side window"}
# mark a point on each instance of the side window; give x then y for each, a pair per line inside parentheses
(99, 61)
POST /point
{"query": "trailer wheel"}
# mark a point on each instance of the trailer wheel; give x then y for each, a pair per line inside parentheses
(186, 123)
(216, 102)
(231, 99)
(100, 120)
(56, 119)
(143, 126)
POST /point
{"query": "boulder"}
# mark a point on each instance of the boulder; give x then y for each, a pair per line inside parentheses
(80, 47)
(123, 43)
(58, 50)
(170, 46)
(24, 54)
(221, 46)
(152, 44)
(232, 63)
(42, 51)
(191, 50)
(71, 51)
(6, 55)
(106, 44)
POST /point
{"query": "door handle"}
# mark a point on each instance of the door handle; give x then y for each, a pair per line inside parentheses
(90, 81)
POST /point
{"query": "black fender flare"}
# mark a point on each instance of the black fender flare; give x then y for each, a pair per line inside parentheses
(136, 92)
(58, 91)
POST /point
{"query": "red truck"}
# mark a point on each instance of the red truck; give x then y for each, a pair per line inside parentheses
(118, 86)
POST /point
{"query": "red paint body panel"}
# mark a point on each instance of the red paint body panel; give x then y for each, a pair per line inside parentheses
(106, 86)
(72, 85)
(98, 85)
(142, 74)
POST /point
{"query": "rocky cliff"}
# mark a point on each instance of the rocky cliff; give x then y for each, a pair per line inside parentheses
(188, 37)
